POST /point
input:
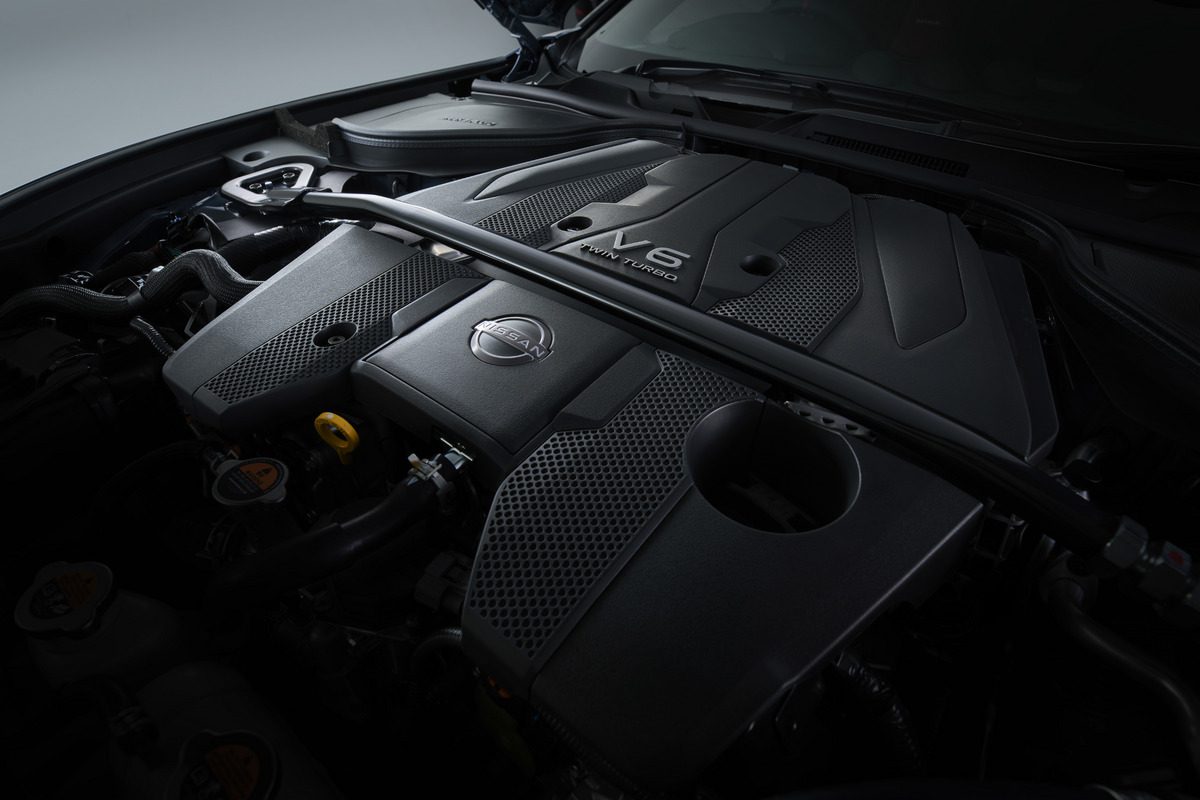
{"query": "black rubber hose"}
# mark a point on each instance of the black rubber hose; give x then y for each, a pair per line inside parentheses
(325, 549)
(445, 639)
(884, 706)
(137, 263)
(152, 335)
(214, 273)
(161, 288)
(70, 300)
(1066, 598)
(246, 253)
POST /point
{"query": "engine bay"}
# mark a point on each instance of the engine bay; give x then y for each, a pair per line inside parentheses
(520, 494)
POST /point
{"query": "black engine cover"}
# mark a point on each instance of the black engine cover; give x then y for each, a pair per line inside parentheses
(893, 290)
(667, 552)
(287, 347)
(658, 579)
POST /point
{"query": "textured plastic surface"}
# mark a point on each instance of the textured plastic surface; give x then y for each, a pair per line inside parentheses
(617, 542)
(818, 279)
(893, 290)
(704, 630)
(289, 344)
(536, 564)
(529, 220)
(600, 560)
(430, 380)
(296, 354)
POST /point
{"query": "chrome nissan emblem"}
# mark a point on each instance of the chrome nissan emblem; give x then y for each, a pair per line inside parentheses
(510, 341)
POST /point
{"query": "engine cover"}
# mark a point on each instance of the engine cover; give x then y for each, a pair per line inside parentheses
(668, 551)
(658, 579)
(894, 290)
(286, 348)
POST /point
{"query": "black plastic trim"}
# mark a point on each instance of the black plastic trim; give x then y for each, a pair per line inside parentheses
(960, 454)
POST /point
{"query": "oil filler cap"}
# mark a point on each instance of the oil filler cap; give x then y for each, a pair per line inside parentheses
(241, 482)
(337, 432)
(65, 598)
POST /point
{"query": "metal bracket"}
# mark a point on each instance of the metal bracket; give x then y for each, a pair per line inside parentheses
(261, 188)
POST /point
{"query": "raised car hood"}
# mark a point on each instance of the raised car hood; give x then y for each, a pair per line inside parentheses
(540, 12)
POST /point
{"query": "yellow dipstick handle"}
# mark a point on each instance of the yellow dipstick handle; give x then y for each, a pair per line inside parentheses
(338, 433)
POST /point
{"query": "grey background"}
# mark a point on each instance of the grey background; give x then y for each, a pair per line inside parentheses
(79, 78)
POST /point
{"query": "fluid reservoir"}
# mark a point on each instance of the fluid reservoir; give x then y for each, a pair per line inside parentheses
(217, 739)
(80, 625)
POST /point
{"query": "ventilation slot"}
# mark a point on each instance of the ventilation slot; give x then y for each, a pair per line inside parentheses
(946, 165)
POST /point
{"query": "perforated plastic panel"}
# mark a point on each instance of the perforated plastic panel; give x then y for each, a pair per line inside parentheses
(923, 160)
(294, 354)
(565, 515)
(819, 279)
(529, 220)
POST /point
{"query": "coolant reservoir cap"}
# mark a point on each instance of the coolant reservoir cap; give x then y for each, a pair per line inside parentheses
(65, 598)
(238, 765)
(240, 482)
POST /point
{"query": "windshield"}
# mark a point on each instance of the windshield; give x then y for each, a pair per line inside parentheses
(1125, 69)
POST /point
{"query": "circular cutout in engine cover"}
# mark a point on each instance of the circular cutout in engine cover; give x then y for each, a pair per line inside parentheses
(765, 467)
